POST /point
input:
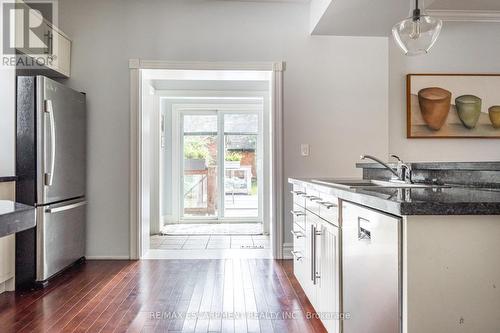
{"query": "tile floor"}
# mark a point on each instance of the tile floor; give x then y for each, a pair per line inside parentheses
(197, 242)
(188, 229)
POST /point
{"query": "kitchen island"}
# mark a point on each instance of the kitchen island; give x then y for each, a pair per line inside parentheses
(401, 259)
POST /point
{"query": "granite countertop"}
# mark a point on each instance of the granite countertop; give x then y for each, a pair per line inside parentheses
(469, 166)
(15, 217)
(4, 179)
(454, 200)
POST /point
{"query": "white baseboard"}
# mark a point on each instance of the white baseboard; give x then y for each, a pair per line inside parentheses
(107, 257)
(287, 250)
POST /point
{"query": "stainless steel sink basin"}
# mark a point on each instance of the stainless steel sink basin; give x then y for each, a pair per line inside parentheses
(364, 183)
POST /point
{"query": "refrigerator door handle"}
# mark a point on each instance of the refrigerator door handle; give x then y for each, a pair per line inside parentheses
(67, 207)
(49, 177)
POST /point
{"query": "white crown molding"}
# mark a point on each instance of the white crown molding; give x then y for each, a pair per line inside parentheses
(465, 15)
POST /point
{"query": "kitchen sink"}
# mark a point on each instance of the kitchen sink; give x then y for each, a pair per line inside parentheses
(364, 183)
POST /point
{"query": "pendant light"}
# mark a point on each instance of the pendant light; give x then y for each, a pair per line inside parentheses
(417, 33)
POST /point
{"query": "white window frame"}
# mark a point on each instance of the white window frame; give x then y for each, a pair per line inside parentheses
(263, 170)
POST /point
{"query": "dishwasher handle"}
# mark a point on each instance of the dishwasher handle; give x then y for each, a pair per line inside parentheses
(364, 229)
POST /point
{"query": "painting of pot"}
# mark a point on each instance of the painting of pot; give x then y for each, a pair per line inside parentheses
(435, 105)
(494, 113)
(469, 109)
(452, 106)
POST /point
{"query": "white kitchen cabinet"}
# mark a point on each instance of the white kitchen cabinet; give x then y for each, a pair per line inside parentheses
(317, 251)
(309, 285)
(328, 294)
(7, 263)
(56, 60)
(60, 49)
(7, 245)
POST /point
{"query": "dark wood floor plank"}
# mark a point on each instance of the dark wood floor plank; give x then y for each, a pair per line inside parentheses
(265, 321)
(137, 315)
(87, 315)
(228, 298)
(253, 325)
(182, 287)
(215, 323)
(148, 281)
(231, 295)
(48, 320)
(53, 301)
(29, 304)
(203, 320)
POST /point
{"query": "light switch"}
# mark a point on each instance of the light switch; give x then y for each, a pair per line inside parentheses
(304, 149)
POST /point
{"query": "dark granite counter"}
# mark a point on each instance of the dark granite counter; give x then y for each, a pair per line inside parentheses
(4, 179)
(15, 217)
(456, 200)
(464, 166)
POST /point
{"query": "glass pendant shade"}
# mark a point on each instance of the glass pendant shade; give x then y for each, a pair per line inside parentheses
(417, 33)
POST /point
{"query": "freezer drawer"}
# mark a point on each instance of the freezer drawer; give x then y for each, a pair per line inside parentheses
(60, 237)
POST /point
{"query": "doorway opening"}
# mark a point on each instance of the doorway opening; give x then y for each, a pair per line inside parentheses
(208, 136)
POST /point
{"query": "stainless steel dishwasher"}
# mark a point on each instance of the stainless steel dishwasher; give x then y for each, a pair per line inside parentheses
(371, 275)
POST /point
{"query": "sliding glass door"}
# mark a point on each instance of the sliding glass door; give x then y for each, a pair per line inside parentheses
(221, 165)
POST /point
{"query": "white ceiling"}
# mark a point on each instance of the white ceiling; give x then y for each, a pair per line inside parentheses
(376, 18)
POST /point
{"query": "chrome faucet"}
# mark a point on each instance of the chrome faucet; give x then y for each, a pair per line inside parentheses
(401, 174)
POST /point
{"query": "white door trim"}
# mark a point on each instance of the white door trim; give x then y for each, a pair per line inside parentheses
(277, 185)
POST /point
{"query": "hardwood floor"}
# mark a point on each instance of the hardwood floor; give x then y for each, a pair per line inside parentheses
(231, 295)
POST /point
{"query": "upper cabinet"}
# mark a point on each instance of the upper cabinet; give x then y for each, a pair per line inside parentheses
(43, 43)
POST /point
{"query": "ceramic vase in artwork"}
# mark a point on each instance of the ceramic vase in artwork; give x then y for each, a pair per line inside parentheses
(494, 112)
(469, 109)
(435, 105)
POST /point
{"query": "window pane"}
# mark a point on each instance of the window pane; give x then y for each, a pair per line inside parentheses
(200, 166)
(241, 123)
(200, 124)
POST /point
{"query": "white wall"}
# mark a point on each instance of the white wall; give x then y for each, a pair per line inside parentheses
(335, 87)
(7, 121)
(461, 48)
(7, 115)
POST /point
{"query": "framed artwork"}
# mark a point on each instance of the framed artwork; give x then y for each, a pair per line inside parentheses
(453, 105)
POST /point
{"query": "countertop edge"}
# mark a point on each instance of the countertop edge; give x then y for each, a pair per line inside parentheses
(405, 208)
(6, 179)
(466, 166)
(374, 202)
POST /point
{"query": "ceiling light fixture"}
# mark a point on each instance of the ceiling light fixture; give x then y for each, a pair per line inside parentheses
(417, 33)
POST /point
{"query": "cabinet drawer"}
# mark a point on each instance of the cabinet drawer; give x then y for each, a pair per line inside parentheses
(329, 209)
(298, 233)
(299, 216)
(299, 193)
(299, 254)
(312, 199)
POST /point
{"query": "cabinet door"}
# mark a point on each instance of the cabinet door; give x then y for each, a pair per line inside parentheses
(61, 51)
(310, 252)
(7, 249)
(328, 272)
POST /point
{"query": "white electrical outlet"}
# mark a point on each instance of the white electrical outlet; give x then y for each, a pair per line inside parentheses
(304, 149)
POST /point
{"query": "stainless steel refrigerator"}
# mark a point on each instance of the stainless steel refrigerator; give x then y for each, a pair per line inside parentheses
(51, 169)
